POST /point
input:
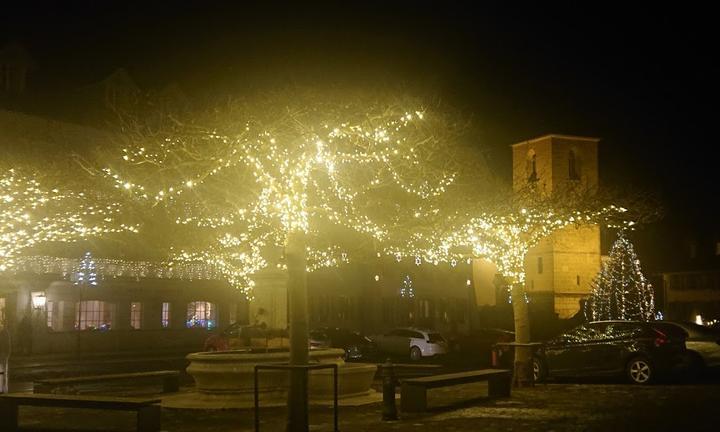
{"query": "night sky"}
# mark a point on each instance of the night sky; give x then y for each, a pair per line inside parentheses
(643, 80)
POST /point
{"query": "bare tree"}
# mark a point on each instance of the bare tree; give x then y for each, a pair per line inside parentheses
(297, 180)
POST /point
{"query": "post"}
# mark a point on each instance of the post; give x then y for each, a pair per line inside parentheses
(389, 411)
(298, 307)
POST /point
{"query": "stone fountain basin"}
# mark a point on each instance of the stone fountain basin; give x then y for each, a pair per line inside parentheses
(232, 373)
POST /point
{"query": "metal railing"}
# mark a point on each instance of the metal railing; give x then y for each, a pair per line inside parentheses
(307, 368)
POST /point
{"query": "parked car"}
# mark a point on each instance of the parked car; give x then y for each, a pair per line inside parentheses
(703, 346)
(356, 346)
(639, 350)
(409, 341)
(239, 336)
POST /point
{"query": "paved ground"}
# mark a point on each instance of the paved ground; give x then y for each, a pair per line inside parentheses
(599, 405)
(552, 407)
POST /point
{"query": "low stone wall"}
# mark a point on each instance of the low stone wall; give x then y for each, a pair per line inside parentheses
(232, 372)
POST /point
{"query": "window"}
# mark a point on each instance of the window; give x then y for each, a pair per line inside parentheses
(539, 265)
(233, 313)
(577, 279)
(50, 310)
(573, 172)
(93, 315)
(165, 315)
(532, 167)
(136, 315)
(201, 314)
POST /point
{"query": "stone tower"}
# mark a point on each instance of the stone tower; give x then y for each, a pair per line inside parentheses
(560, 268)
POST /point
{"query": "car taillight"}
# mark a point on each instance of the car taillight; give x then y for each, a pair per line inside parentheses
(660, 338)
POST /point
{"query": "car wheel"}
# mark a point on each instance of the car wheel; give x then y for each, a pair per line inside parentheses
(415, 353)
(640, 371)
(539, 370)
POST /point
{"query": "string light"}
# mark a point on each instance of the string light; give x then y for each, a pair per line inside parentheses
(318, 180)
(104, 268)
(407, 290)
(301, 183)
(620, 290)
(31, 214)
(86, 274)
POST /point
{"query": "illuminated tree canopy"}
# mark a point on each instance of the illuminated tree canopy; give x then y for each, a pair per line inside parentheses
(33, 212)
(342, 174)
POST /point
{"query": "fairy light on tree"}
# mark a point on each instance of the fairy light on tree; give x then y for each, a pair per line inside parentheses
(311, 176)
(620, 290)
(506, 235)
(32, 213)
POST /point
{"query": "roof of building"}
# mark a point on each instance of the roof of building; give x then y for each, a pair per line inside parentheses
(568, 137)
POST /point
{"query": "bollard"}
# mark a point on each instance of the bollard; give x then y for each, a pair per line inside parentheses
(389, 411)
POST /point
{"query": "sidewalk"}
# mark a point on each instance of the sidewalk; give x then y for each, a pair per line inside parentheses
(551, 407)
(40, 360)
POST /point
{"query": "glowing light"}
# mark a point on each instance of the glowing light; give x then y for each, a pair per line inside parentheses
(620, 290)
(31, 214)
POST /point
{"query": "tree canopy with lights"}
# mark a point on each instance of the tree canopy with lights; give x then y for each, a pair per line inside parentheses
(36, 209)
(297, 181)
(334, 174)
(315, 176)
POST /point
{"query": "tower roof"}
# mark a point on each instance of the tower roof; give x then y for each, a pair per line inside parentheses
(568, 137)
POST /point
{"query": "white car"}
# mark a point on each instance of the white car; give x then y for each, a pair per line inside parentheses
(417, 343)
(703, 345)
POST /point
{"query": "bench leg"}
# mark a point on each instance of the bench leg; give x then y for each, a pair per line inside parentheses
(413, 398)
(8, 416)
(171, 384)
(149, 419)
(499, 386)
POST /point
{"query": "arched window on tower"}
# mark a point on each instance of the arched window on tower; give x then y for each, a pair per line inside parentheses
(532, 167)
(573, 171)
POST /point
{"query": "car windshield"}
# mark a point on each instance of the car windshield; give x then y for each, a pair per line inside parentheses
(435, 338)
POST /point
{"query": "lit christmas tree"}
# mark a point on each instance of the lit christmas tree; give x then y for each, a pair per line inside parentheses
(407, 290)
(86, 274)
(620, 291)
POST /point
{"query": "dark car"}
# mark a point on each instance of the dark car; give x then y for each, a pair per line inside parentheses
(356, 346)
(639, 350)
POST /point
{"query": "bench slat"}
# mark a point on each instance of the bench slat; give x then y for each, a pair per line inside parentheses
(456, 378)
(97, 402)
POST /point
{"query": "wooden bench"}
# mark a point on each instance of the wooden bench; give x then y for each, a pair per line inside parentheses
(170, 380)
(413, 393)
(408, 370)
(148, 410)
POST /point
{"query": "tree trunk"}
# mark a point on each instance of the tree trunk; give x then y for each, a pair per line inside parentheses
(522, 374)
(295, 256)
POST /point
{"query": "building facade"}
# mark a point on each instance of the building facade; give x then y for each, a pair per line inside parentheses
(559, 269)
